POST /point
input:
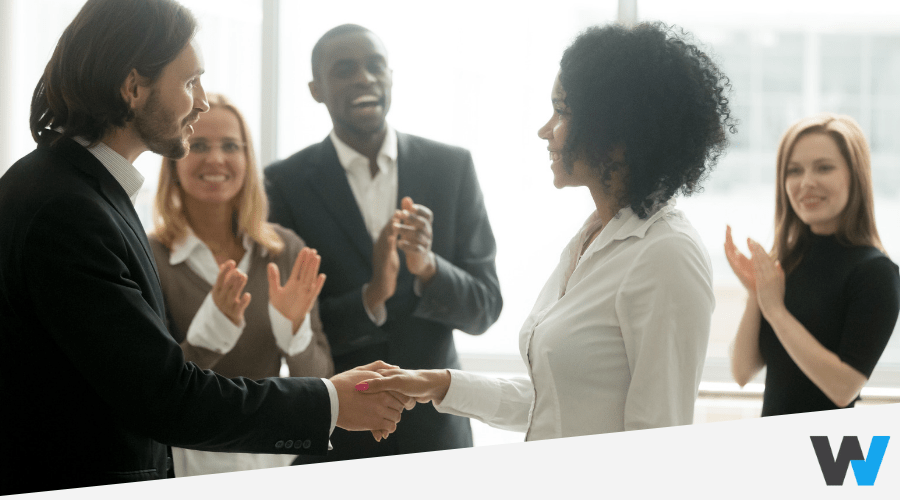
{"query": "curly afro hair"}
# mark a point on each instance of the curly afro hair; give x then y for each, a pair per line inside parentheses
(649, 91)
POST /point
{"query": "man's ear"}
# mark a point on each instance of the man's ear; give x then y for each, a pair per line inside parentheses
(314, 90)
(135, 90)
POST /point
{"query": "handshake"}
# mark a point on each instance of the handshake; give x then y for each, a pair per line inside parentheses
(372, 397)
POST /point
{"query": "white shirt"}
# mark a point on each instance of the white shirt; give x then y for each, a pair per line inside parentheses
(616, 339)
(376, 196)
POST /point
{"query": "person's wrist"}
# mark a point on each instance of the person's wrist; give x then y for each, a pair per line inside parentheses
(439, 381)
(775, 314)
(752, 301)
(234, 319)
(429, 269)
(372, 296)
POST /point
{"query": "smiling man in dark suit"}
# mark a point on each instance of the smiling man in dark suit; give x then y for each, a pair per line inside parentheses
(92, 385)
(361, 195)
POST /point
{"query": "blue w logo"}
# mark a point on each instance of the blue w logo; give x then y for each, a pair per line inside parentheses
(834, 469)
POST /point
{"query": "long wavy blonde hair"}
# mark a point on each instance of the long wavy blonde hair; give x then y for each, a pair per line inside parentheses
(251, 209)
(856, 224)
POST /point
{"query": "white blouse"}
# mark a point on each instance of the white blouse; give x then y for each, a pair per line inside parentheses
(616, 339)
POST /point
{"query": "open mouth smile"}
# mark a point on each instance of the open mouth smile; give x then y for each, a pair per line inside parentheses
(213, 177)
(367, 101)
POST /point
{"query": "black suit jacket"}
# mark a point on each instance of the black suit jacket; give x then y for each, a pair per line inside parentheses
(309, 193)
(92, 384)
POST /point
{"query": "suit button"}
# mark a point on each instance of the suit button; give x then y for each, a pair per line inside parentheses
(307, 444)
(279, 445)
(298, 444)
(288, 443)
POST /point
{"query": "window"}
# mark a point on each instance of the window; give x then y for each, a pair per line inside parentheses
(802, 61)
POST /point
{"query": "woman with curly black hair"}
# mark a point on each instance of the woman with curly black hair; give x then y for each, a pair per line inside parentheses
(617, 338)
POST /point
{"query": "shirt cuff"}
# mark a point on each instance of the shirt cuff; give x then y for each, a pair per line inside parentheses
(332, 395)
(379, 315)
(471, 394)
(282, 328)
(212, 330)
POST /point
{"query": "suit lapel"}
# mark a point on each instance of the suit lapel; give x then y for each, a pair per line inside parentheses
(412, 177)
(330, 184)
(109, 187)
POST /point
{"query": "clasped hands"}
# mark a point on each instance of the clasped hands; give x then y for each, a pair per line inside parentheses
(294, 300)
(373, 396)
(409, 231)
(760, 274)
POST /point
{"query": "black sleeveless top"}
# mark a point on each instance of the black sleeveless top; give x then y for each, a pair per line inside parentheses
(848, 298)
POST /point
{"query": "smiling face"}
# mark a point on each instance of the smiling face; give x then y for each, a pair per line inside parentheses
(817, 182)
(353, 80)
(175, 101)
(554, 132)
(213, 172)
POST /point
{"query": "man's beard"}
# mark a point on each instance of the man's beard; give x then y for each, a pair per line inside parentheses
(153, 125)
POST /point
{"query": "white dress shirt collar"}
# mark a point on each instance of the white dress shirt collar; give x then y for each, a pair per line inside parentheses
(184, 248)
(352, 159)
(626, 224)
(121, 169)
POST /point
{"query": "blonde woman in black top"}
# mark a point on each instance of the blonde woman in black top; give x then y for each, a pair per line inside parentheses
(823, 303)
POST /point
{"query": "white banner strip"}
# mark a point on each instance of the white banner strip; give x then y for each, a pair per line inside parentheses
(758, 458)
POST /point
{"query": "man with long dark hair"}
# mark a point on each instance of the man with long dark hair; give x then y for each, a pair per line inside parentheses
(93, 386)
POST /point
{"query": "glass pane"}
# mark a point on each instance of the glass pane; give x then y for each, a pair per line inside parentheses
(841, 65)
(885, 136)
(30, 56)
(886, 61)
(781, 60)
(805, 59)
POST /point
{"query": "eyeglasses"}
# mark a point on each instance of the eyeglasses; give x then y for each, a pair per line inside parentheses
(228, 148)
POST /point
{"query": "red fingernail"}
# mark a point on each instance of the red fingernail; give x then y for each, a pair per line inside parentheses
(362, 386)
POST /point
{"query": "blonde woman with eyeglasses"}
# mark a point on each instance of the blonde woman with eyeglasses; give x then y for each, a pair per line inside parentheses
(240, 292)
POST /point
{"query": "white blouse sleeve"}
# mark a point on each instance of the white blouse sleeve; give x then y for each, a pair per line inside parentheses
(211, 329)
(503, 403)
(665, 306)
(288, 341)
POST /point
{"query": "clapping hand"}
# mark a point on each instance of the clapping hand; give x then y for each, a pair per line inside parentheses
(769, 278)
(359, 411)
(740, 264)
(226, 292)
(415, 238)
(385, 265)
(295, 299)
